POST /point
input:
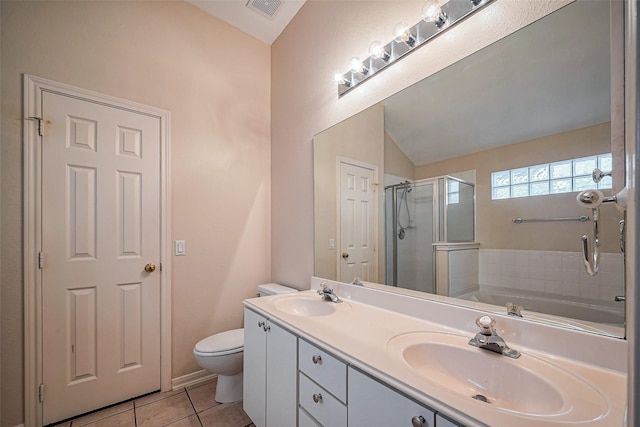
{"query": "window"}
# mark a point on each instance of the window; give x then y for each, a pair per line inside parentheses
(552, 178)
(453, 191)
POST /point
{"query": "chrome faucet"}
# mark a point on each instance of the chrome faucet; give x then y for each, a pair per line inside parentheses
(488, 339)
(327, 293)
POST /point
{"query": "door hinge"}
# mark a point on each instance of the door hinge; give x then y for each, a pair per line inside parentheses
(41, 393)
(39, 119)
(40, 260)
(160, 266)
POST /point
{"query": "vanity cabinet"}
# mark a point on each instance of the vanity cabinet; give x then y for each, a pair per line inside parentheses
(323, 386)
(290, 382)
(372, 403)
(270, 372)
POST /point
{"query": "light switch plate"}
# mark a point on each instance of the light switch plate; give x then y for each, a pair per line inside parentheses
(180, 248)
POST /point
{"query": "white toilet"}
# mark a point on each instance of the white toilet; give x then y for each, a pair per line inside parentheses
(222, 353)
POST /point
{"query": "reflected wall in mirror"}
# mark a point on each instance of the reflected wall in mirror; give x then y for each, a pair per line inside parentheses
(419, 193)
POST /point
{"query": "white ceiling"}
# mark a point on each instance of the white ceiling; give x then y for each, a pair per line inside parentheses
(549, 77)
(236, 13)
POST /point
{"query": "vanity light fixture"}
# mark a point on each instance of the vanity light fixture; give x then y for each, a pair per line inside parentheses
(436, 18)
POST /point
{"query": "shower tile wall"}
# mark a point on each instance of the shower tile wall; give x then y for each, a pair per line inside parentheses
(550, 272)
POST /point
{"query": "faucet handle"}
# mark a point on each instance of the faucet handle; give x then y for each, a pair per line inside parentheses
(486, 324)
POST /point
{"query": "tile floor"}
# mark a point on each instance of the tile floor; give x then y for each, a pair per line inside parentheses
(190, 407)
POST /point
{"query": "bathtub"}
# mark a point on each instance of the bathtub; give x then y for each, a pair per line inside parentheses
(596, 316)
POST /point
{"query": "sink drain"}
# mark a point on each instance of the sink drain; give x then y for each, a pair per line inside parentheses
(481, 398)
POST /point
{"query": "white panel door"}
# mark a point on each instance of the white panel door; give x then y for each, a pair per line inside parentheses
(357, 223)
(100, 227)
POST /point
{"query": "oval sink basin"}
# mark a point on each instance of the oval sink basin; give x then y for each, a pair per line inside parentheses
(525, 386)
(306, 306)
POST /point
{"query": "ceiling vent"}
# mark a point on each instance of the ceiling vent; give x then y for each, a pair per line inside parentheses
(267, 8)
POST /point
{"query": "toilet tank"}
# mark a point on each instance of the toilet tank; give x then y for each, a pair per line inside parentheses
(274, 289)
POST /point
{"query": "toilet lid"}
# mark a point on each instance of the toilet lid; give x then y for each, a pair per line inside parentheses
(224, 341)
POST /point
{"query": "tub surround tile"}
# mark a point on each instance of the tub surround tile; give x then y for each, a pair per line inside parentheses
(553, 272)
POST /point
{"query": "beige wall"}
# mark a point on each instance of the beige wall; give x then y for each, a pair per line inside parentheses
(494, 228)
(360, 138)
(320, 40)
(395, 161)
(215, 80)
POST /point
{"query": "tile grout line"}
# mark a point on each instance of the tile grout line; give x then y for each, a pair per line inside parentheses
(193, 406)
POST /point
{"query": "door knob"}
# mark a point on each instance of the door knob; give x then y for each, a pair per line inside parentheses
(345, 255)
(150, 268)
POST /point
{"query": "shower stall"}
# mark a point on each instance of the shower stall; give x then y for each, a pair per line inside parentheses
(419, 214)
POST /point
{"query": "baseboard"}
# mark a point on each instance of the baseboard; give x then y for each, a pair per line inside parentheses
(193, 378)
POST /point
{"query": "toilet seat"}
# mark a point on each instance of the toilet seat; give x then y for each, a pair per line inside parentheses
(223, 343)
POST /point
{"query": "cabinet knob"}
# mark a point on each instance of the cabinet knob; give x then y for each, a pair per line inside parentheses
(260, 324)
(266, 328)
(317, 398)
(316, 359)
(418, 421)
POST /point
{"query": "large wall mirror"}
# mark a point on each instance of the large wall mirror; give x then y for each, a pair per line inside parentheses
(464, 185)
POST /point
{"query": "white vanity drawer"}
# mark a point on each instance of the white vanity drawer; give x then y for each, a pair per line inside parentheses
(321, 405)
(324, 369)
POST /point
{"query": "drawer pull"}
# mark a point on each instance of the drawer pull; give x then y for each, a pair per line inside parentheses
(317, 398)
(418, 421)
(316, 359)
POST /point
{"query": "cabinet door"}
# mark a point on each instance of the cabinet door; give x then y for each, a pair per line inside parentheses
(255, 367)
(282, 379)
(372, 403)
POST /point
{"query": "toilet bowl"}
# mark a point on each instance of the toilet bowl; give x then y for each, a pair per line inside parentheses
(222, 354)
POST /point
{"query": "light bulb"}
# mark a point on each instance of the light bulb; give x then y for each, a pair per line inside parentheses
(377, 50)
(340, 80)
(432, 12)
(402, 33)
(356, 65)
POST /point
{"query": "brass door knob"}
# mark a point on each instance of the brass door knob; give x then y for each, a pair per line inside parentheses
(150, 268)
(345, 255)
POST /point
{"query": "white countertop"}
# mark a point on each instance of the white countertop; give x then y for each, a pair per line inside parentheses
(359, 333)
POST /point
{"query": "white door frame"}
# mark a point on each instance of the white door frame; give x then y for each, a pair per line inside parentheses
(33, 88)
